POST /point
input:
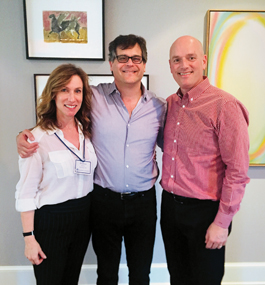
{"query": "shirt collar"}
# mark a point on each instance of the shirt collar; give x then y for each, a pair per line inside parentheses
(60, 133)
(195, 92)
(146, 96)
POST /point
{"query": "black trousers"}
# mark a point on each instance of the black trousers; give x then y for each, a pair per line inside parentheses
(63, 232)
(132, 218)
(184, 223)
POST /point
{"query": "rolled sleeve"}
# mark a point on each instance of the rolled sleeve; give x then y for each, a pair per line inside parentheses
(27, 187)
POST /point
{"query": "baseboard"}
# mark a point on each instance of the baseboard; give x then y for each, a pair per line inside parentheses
(252, 273)
(244, 273)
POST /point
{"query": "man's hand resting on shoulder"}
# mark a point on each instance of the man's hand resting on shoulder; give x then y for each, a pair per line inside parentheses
(24, 148)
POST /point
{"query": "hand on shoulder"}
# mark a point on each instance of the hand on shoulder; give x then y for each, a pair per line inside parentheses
(24, 148)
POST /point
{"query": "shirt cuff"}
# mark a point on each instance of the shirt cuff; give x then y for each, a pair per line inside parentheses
(24, 205)
(223, 220)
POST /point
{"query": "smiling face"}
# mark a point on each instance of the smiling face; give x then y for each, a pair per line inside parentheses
(187, 62)
(69, 99)
(128, 73)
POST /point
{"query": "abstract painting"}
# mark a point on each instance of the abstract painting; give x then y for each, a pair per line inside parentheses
(236, 60)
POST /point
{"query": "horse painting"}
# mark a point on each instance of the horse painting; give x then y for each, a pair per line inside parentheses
(66, 27)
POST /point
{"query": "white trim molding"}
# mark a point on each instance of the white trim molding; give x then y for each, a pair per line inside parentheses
(241, 273)
(244, 273)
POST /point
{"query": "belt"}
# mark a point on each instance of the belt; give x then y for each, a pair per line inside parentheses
(123, 195)
(129, 195)
(189, 201)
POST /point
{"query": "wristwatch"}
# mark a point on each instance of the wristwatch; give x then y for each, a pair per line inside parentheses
(28, 234)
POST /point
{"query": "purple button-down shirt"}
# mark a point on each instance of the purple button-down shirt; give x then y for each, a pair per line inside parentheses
(125, 145)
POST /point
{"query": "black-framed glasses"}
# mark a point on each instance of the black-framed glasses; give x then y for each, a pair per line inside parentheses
(125, 58)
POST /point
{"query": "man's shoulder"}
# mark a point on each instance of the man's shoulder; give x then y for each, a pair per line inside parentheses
(102, 89)
(100, 86)
(220, 93)
(172, 97)
(156, 99)
(221, 98)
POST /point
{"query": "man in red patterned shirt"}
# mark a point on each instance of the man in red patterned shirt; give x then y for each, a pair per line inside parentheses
(205, 165)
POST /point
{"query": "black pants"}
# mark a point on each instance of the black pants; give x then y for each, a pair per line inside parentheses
(63, 232)
(115, 217)
(184, 223)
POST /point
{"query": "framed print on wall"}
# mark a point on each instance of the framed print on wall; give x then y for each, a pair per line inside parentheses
(236, 60)
(64, 29)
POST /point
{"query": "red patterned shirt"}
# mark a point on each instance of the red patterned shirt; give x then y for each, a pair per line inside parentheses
(206, 148)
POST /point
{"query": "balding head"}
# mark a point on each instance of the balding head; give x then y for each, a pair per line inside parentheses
(187, 41)
(187, 62)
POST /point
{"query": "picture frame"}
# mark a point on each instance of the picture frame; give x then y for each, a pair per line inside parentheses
(40, 81)
(235, 49)
(62, 30)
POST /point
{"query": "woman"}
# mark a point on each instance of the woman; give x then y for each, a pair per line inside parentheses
(53, 193)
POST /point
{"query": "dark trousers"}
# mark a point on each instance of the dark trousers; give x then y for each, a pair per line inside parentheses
(184, 223)
(115, 217)
(63, 232)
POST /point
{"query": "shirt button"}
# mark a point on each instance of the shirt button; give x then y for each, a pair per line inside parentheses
(191, 99)
(127, 185)
(175, 141)
(183, 106)
(127, 166)
(128, 125)
(178, 123)
(173, 158)
(127, 145)
(172, 176)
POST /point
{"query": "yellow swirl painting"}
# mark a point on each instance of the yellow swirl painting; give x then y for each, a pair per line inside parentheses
(236, 64)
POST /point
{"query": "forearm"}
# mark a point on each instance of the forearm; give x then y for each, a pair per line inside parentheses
(27, 219)
(33, 250)
(233, 190)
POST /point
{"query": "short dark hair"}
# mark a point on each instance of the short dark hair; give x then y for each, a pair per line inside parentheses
(125, 42)
(46, 107)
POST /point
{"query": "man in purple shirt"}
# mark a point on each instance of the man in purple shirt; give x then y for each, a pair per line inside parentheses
(127, 123)
(205, 164)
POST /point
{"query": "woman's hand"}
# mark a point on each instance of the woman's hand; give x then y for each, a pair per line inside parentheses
(33, 251)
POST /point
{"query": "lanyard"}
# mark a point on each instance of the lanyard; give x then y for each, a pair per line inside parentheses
(73, 151)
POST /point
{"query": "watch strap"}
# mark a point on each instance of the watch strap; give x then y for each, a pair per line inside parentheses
(28, 234)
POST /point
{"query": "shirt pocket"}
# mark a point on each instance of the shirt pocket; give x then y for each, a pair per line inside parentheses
(63, 163)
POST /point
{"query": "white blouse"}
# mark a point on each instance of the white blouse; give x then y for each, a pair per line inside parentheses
(48, 176)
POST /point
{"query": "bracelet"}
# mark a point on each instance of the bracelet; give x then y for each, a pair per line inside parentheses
(28, 234)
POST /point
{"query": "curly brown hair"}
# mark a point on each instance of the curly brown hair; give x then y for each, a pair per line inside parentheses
(46, 107)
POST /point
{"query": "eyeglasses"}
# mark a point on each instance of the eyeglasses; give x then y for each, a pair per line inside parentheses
(125, 58)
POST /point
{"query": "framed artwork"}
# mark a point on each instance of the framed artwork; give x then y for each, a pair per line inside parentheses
(40, 81)
(236, 60)
(64, 29)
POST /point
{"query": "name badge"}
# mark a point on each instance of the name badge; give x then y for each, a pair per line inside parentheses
(82, 167)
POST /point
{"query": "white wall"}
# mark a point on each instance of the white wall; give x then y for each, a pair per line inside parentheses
(160, 22)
